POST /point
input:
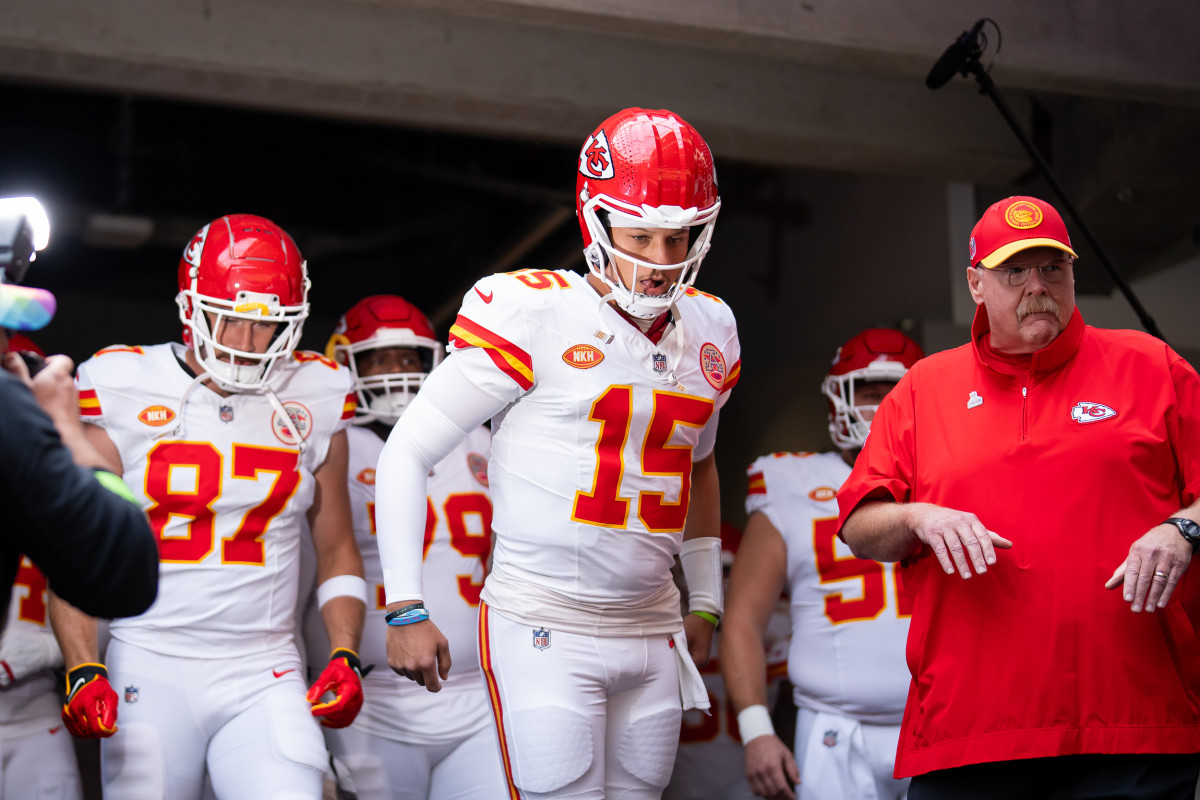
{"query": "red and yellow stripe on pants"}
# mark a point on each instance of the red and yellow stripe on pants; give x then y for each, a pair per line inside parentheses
(489, 677)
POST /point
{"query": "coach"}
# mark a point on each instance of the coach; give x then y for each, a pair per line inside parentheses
(1018, 477)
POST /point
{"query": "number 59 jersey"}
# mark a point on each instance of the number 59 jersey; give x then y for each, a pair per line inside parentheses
(592, 458)
(849, 615)
(225, 486)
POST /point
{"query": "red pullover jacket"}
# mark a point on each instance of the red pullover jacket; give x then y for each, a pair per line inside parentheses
(1073, 461)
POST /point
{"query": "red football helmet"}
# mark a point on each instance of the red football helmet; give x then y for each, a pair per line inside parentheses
(645, 169)
(876, 354)
(242, 266)
(373, 323)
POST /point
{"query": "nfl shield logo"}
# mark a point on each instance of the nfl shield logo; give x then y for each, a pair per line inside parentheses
(541, 638)
(660, 363)
(131, 694)
(226, 413)
(830, 739)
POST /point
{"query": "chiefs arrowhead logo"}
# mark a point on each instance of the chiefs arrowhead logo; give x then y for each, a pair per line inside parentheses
(191, 254)
(822, 493)
(1083, 413)
(595, 160)
(367, 476)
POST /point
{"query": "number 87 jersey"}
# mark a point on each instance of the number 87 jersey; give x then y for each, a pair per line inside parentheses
(592, 458)
(225, 485)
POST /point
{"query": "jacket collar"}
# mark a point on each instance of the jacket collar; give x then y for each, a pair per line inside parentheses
(1044, 361)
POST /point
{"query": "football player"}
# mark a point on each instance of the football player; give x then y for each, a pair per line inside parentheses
(406, 743)
(231, 439)
(849, 615)
(603, 390)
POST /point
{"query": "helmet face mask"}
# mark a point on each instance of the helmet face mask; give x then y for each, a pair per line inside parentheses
(242, 268)
(377, 323)
(875, 355)
(645, 169)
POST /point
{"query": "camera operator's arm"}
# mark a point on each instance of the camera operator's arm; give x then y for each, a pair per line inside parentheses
(79, 523)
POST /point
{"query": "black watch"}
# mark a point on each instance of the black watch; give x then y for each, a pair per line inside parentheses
(1189, 530)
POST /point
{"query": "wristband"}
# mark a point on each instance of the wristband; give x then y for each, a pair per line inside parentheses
(707, 617)
(701, 562)
(342, 586)
(408, 617)
(391, 615)
(753, 722)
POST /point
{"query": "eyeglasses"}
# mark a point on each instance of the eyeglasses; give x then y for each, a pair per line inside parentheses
(1053, 272)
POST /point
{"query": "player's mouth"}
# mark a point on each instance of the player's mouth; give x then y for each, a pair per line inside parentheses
(653, 287)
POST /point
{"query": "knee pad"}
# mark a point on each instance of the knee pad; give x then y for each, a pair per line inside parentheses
(131, 763)
(647, 748)
(554, 748)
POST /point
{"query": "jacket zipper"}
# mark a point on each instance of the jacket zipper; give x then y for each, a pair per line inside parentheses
(1024, 410)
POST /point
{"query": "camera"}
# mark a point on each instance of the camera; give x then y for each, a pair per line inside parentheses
(24, 230)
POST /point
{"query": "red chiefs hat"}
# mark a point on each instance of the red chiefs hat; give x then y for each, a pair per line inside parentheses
(1015, 224)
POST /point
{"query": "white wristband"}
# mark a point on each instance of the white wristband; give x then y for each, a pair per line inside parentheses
(753, 722)
(701, 562)
(341, 586)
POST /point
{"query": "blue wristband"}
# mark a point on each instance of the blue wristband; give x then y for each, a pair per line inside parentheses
(408, 617)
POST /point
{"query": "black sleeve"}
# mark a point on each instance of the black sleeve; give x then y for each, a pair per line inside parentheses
(96, 548)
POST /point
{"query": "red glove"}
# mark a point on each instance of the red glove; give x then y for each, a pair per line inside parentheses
(91, 708)
(343, 678)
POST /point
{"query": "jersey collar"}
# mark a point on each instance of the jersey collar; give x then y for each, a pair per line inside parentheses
(1044, 361)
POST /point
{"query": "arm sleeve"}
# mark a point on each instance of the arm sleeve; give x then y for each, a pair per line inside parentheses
(448, 406)
(95, 547)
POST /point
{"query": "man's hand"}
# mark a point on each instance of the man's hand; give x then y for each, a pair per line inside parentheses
(420, 653)
(771, 768)
(343, 678)
(957, 538)
(1152, 569)
(699, 633)
(91, 708)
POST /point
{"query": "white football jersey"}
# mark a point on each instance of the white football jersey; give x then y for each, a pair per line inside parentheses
(225, 486)
(32, 704)
(457, 543)
(849, 615)
(591, 460)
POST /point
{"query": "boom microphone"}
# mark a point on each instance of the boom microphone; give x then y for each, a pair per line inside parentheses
(955, 58)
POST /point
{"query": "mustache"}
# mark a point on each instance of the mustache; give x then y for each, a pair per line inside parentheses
(1036, 304)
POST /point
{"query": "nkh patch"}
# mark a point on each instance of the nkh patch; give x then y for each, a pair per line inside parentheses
(830, 739)
(541, 638)
(131, 694)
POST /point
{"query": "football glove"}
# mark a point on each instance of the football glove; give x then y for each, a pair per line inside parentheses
(91, 708)
(343, 679)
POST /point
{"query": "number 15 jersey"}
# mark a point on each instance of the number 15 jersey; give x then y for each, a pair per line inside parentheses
(591, 460)
(225, 486)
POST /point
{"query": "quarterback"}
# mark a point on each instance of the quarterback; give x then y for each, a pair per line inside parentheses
(603, 392)
(231, 440)
(406, 743)
(849, 615)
